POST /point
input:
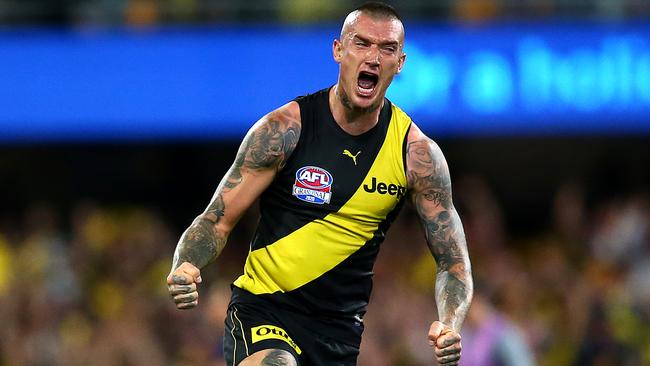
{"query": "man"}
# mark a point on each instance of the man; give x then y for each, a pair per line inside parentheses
(331, 170)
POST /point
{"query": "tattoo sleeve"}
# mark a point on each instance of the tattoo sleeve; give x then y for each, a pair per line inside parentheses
(266, 147)
(430, 186)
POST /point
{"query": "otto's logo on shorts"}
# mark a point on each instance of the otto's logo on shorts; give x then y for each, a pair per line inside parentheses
(313, 184)
(272, 332)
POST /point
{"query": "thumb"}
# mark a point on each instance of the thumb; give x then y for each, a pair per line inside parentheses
(192, 271)
(185, 274)
(435, 331)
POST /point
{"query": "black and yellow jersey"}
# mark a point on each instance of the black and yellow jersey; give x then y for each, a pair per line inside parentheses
(326, 213)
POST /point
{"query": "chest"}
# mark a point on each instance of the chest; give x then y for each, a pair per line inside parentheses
(361, 179)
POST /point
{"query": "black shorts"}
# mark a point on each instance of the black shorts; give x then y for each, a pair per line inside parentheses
(252, 327)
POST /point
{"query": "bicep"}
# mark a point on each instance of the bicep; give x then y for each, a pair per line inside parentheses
(430, 187)
(263, 152)
(428, 178)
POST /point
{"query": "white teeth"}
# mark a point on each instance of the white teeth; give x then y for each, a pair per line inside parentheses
(365, 92)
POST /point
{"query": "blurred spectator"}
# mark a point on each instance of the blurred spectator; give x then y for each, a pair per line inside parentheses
(142, 12)
(147, 12)
(490, 339)
(476, 10)
(94, 294)
(307, 11)
(621, 231)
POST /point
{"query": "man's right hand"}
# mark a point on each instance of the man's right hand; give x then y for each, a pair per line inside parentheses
(181, 284)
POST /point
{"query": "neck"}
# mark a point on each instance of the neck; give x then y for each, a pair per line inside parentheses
(353, 120)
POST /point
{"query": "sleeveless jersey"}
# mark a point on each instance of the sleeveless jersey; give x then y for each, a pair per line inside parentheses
(326, 213)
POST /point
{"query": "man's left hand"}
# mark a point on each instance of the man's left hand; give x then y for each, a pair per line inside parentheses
(446, 343)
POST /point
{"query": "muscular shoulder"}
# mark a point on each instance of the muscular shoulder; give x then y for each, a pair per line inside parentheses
(282, 120)
(426, 168)
(288, 114)
(270, 142)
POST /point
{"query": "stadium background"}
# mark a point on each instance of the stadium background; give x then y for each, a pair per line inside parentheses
(111, 142)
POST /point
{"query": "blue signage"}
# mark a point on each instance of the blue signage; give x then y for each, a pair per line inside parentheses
(188, 83)
(511, 80)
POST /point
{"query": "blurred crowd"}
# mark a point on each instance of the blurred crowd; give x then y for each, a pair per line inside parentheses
(89, 288)
(151, 12)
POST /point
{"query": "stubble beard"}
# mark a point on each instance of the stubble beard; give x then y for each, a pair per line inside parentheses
(347, 103)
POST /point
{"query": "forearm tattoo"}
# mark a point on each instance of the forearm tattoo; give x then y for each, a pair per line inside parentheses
(267, 146)
(201, 243)
(430, 185)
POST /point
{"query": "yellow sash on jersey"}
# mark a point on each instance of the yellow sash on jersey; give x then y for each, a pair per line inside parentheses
(320, 245)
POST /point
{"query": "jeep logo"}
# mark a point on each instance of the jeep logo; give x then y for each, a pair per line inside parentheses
(383, 188)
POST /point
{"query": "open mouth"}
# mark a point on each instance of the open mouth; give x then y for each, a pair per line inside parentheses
(366, 83)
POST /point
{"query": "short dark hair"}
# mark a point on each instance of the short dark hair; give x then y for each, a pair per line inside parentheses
(379, 9)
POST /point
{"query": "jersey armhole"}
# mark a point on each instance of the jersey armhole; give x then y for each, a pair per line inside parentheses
(404, 145)
(303, 131)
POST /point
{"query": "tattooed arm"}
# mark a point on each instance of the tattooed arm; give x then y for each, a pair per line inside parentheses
(264, 151)
(430, 187)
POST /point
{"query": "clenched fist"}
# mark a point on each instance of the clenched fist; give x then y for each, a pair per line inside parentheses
(446, 343)
(181, 284)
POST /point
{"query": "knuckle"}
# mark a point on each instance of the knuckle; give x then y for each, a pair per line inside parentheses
(187, 305)
(186, 298)
(189, 267)
(449, 359)
(179, 279)
(183, 289)
(190, 297)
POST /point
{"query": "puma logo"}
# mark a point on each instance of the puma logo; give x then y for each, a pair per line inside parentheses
(347, 152)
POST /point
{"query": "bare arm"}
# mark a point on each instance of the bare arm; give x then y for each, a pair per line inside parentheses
(264, 151)
(430, 186)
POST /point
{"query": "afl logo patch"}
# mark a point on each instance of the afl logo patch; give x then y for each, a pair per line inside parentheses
(313, 185)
